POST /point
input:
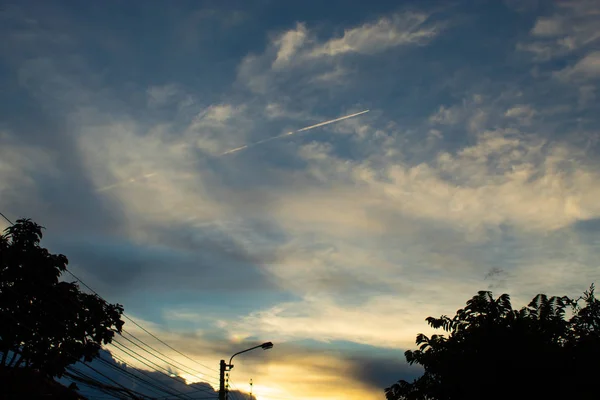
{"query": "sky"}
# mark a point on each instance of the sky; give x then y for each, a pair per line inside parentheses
(476, 168)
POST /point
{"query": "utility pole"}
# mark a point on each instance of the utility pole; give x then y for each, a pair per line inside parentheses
(225, 368)
(222, 369)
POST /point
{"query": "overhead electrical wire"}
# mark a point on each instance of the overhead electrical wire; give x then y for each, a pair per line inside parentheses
(105, 388)
(140, 371)
(114, 366)
(163, 360)
(127, 349)
(152, 386)
(234, 394)
(141, 327)
(4, 216)
(155, 366)
(97, 385)
(133, 321)
(69, 355)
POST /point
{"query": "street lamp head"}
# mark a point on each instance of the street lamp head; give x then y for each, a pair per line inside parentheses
(267, 345)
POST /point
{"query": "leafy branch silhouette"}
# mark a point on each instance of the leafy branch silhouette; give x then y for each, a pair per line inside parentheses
(493, 351)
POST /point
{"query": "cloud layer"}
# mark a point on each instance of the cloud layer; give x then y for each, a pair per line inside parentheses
(477, 167)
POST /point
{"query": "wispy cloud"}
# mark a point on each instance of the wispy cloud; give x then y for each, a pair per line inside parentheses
(404, 29)
(572, 26)
(302, 48)
(288, 44)
(21, 165)
(588, 68)
(159, 96)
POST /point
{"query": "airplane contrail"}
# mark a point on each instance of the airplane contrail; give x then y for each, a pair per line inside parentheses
(231, 151)
(293, 132)
(132, 180)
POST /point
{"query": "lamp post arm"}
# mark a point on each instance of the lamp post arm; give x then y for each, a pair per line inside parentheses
(244, 351)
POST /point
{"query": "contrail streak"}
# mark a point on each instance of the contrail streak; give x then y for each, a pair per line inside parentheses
(293, 132)
(132, 180)
(231, 151)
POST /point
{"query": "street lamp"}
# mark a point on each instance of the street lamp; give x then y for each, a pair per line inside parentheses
(228, 367)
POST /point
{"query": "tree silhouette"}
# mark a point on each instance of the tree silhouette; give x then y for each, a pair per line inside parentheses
(495, 352)
(46, 324)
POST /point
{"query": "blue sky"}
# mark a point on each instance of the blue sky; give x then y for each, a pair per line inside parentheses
(476, 167)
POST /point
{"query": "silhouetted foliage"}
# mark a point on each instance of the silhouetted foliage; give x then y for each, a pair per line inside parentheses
(24, 383)
(495, 352)
(46, 324)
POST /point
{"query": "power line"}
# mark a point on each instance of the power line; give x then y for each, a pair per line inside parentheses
(137, 324)
(154, 369)
(101, 385)
(153, 387)
(4, 216)
(215, 397)
(149, 333)
(159, 385)
(59, 307)
(97, 384)
(233, 394)
(148, 376)
(237, 392)
(68, 353)
(155, 365)
(202, 390)
(169, 358)
(165, 344)
(141, 327)
(166, 362)
(111, 380)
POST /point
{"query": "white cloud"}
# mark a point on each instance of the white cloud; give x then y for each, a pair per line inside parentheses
(172, 192)
(288, 44)
(159, 96)
(218, 114)
(400, 30)
(573, 26)
(586, 68)
(471, 111)
(218, 128)
(521, 112)
(19, 166)
(319, 318)
(332, 77)
(299, 54)
(547, 27)
(504, 178)
(446, 116)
